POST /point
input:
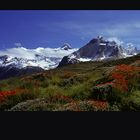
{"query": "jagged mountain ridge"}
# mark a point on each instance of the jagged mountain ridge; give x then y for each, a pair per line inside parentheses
(99, 49)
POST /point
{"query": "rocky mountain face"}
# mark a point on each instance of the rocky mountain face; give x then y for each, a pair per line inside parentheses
(98, 49)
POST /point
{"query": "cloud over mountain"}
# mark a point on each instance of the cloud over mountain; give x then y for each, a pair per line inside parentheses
(45, 58)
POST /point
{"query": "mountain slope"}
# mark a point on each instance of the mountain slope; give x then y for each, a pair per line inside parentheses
(8, 72)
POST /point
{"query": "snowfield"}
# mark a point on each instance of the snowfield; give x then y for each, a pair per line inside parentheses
(46, 58)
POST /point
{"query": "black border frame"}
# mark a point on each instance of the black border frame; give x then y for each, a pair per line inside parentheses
(70, 5)
(99, 121)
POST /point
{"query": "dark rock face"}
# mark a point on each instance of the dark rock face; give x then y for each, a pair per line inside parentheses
(66, 60)
(4, 58)
(8, 72)
(98, 48)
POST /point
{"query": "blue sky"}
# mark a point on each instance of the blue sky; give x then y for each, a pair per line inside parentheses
(52, 28)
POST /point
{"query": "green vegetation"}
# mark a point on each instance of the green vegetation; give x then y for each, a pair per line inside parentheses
(86, 86)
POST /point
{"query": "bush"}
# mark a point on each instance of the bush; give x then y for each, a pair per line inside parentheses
(55, 80)
(87, 106)
(73, 80)
(42, 107)
(80, 91)
(132, 102)
(38, 77)
(134, 83)
(44, 84)
(59, 99)
(102, 80)
(12, 100)
(54, 90)
(101, 92)
(67, 74)
(114, 107)
(122, 75)
(26, 85)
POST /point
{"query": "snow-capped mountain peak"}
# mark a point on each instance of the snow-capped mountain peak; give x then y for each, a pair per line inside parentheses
(130, 49)
(66, 46)
(100, 37)
(99, 49)
(45, 58)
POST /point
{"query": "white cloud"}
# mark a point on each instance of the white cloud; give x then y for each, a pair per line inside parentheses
(122, 29)
(41, 60)
(30, 53)
(130, 44)
(137, 25)
(118, 41)
(18, 52)
(18, 44)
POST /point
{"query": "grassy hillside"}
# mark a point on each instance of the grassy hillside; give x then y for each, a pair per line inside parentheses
(87, 86)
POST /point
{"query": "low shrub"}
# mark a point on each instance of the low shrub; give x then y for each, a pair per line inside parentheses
(61, 99)
(14, 99)
(102, 91)
(54, 90)
(67, 74)
(123, 75)
(86, 105)
(73, 80)
(38, 77)
(55, 80)
(114, 107)
(26, 85)
(42, 107)
(79, 92)
(132, 102)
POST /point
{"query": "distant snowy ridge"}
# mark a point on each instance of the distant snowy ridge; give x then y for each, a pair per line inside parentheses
(46, 58)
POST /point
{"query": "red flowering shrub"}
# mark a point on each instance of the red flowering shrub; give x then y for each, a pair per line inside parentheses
(120, 81)
(123, 80)
(4, 94)
(121, 76)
